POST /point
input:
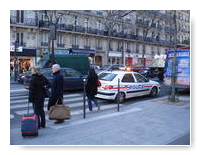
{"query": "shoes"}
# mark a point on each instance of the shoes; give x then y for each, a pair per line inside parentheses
(59, 122)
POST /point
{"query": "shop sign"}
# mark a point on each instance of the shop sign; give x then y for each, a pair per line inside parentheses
(19, 49)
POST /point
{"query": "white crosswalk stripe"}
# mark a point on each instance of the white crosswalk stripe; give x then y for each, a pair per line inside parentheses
(19, 105)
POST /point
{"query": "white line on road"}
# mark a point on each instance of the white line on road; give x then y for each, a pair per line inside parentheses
(65, 97)
(18, 90)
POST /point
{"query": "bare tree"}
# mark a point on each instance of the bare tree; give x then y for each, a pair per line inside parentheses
(112, 17)
(150, 26)
(52, 17)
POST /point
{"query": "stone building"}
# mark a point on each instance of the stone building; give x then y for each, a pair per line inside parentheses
(137, 36)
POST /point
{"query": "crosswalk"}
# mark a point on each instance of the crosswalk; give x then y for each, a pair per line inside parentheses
(19, 105)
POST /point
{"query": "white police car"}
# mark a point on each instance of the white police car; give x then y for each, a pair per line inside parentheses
(131, 84)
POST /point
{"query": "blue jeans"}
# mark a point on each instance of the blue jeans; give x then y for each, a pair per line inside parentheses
(90, 102)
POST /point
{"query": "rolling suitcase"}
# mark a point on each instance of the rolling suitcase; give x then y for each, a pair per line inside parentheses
(29, 124)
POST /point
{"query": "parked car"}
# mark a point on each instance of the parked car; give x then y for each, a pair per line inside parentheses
(95, 67)
(111, 67)
(133, 68)
(147, 72)
(21, 77)
(73, 80)
(132, 84)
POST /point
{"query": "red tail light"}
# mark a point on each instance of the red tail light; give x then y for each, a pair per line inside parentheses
(108, 87)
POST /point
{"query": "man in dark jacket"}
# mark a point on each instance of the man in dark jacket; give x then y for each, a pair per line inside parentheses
(56, 88)
(37, 95)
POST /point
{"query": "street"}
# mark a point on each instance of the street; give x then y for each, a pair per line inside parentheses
(74, 99)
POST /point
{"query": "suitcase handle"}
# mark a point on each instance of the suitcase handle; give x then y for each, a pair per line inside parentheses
(33, 107)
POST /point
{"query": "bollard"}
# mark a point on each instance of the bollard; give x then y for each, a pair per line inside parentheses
(118, 95)
(84, 81)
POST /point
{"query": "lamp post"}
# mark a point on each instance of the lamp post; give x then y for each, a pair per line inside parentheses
(53, 20)
(16, 43)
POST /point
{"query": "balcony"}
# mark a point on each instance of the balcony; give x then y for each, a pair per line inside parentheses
(44, 44)
(98, 48)
(26, 21)
(110, 49)
(87, 47)
(60, 45)
(75, 46)
(128, 50)
(22, 44)
(142, 23)
(169, 30)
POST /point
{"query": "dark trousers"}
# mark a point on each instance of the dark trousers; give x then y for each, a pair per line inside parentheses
(38, 108)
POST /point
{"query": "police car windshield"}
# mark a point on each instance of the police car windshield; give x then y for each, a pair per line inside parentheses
(107, 76)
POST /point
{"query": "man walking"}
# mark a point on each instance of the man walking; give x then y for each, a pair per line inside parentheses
(56, 89)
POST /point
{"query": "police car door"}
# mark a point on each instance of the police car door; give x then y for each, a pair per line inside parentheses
(141, 83)
(127, 85)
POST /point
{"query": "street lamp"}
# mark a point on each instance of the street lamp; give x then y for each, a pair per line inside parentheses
(53, 27)
(16, 43)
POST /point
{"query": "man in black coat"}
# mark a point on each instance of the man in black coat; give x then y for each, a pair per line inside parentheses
(56, 89)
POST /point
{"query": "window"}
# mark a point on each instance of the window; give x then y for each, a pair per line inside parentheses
(45, 37)
(20, 16)
(98, 43)
(70, 73)
(87, 41)
(87, 23)
(128, 78)
(98, 24)
(107, 76)
(60, 20)
(137, 48)
(20, 38)
(75, 20)
(60, 38)
(118, 28)
(75, 40)
(140, 78)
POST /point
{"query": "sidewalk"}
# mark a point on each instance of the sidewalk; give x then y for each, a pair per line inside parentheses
(151, 122)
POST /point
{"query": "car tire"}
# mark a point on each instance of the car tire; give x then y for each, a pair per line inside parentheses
(121, 97)
(154, 92)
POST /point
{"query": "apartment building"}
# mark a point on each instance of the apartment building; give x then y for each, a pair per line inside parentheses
(104, 35)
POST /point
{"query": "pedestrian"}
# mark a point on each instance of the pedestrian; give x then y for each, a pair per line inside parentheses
(37, 94)
(56, 89)
(91, 88)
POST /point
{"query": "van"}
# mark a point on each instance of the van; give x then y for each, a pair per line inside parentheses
(79, 62)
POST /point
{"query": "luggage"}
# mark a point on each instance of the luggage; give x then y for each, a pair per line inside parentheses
(59, 111)
(29, 124)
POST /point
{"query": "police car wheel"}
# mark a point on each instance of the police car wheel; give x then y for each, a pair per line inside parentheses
(153, 92)
(121, 97)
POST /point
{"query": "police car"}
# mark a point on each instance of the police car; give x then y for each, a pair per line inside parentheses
(130, 84)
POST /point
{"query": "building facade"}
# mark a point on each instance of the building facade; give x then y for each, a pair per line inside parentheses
(104, 35)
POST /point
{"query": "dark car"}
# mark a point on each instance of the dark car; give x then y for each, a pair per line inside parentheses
(111, 67)
(147, 72)
(21, 77)
(133, 68)
(73, 80)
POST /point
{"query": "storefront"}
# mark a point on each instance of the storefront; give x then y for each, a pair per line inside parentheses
(115, 58)
(23, 59)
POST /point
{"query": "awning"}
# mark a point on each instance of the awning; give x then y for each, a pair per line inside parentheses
(25, 52)
(82, 51)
